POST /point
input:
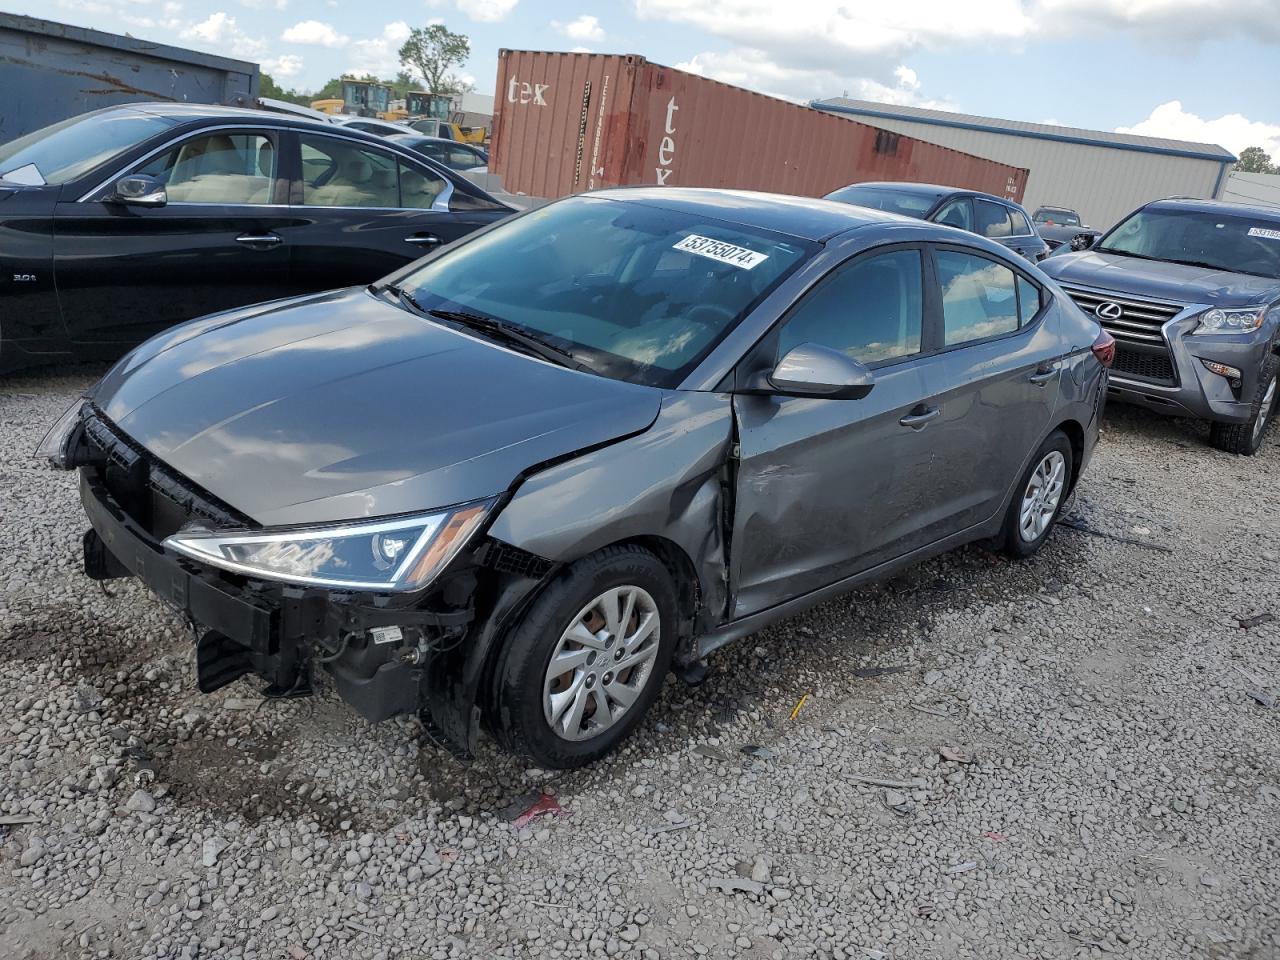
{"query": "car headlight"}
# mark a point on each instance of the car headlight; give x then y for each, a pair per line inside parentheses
(1218, 320)
(397, 555)
(56, 445)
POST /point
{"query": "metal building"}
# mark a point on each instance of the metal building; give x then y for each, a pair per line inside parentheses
(1260, 189)
(1101, 175)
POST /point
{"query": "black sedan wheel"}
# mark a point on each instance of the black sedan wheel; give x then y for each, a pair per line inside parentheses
(588, 659)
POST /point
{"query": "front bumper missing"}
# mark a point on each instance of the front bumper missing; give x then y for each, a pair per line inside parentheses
(273, 631)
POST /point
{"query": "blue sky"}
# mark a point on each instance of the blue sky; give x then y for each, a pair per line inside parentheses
(1194, 69)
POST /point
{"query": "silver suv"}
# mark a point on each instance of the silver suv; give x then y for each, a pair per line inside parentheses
(1190, 289)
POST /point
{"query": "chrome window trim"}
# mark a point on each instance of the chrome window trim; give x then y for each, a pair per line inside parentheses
(282, 128)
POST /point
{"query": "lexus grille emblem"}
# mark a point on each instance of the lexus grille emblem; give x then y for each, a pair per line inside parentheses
(1108, 310)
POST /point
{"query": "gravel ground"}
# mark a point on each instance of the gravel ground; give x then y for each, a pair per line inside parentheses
(1071, 756)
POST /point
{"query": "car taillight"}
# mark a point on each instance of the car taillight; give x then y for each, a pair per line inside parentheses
(1104, 348)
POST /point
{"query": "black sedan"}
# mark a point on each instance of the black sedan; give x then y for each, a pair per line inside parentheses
(987, 215)
(462, 157)
(1061, 225)
(119, 223)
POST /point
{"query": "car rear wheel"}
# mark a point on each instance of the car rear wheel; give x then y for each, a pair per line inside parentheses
(588, 659)
(1245, 439)
(1039, 497)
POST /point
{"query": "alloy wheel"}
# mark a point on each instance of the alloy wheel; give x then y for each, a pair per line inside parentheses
(602, 663)
(1043, 495)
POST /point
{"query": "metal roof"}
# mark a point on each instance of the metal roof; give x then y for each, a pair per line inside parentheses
(1021, 128)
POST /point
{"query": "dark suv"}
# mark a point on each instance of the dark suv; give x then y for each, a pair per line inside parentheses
(1190, 289)
(985, 214)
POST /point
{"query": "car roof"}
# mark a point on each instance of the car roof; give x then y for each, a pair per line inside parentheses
(1191, 204)
(178, 113)
(934, 190)
(808, 218)
(412, 136)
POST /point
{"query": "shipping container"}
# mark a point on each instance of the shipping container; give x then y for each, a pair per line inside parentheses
(50, 71)
(568, 122)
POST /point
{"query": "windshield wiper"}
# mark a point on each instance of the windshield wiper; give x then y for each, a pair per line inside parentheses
(509, 333)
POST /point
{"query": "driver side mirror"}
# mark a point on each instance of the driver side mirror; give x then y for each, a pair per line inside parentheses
(812, 370)
(139, 190)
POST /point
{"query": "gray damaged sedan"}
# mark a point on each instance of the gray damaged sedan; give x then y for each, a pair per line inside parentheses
(513, 485)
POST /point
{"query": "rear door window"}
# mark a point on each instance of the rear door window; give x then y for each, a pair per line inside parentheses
(1021, 226)
(992, 218)
(979, 297)
(342, 173)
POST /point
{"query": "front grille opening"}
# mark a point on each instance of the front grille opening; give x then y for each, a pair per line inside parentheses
(1152, 365)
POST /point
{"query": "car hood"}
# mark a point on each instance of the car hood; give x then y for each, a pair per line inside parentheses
(1164, 281)
(344, 406)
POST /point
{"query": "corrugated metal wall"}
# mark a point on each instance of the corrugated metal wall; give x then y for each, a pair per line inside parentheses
(1101, 183)
(568, 122)
(1261, 189)
(50, 71)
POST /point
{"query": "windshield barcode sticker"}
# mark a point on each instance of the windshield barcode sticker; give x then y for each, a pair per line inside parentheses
(1263, 232)
(721, 252)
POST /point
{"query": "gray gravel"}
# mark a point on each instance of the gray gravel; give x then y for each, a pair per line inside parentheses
(1076, 760)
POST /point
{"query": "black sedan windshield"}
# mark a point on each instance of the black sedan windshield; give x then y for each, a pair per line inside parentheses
(631, 291)
(1201, 238)
(63, 151)
(908, 203)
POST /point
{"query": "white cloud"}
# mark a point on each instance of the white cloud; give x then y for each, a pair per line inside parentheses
(265, 4)
(487, 11)
(221, 32)
(585, 28)
(379, 55)
(756, 70)
(1231, 130)
(1189, 21)
(315, 33)
(283, 67)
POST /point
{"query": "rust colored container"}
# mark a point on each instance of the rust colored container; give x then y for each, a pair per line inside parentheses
(568, 122)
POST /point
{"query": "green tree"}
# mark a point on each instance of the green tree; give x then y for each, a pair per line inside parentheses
(433, 52)
(1255, 160)
(267, 87)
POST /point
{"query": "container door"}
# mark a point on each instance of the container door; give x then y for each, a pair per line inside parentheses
(125, 272)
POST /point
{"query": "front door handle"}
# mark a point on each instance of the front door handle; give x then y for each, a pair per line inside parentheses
(1044, 373)
(263, 240)
(919, 420)
(423, 240)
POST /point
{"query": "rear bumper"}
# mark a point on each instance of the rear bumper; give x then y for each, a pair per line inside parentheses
(267, 630)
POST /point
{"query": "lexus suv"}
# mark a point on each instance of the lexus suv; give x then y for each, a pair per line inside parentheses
(1190, 289)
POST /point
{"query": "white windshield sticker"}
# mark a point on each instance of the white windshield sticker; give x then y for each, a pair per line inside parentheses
(721, 252)
(1263, 232)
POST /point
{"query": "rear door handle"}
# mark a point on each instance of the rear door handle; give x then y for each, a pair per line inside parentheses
(918, 421)
(1044, 374)
(423, 240)
(259, 239)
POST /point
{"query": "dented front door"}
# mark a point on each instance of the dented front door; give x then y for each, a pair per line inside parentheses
(828, 488)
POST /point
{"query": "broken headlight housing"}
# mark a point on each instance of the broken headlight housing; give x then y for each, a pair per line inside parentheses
(399, 555)
(1219, 320)
(56, 445)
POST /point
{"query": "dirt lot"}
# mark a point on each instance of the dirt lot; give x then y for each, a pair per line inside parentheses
(1113, 787)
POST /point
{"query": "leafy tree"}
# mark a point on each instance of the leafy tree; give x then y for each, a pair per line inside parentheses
(267, 87)
(1255, 160)
(433, 52)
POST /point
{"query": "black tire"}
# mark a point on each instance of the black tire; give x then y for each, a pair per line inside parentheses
(1245, 439)
(1012, 538)
(520, 720)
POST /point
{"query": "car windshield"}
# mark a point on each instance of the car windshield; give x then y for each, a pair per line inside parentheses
(631, 291)
(1066, 218)
(908, 203)
(1202, 238)
(64, 151)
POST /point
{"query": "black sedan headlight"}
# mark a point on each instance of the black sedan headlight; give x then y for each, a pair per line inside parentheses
(56, 445)
(398, 555)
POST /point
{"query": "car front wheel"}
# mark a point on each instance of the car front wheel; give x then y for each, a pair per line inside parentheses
(588, 659)
(1245, 439)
